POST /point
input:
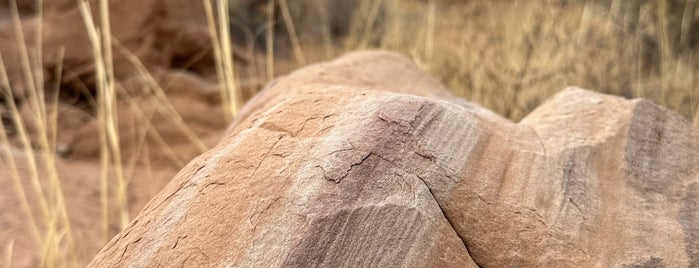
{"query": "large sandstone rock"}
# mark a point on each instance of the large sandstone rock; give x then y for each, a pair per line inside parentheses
(323, 169)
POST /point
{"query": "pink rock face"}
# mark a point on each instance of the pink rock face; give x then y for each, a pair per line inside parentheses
(338, 165)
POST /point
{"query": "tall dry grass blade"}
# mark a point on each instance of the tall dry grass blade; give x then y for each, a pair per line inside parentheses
(19, 123)
(584, 23)
(357, 23)
(326, 30)
(20, 42)
(430, 29)
(34, 88)
(295, 43)
(685, 27)
(218, 56)
(49, 254)
(269, 44)
(50, 153)
(393, 39)
(53, 128)
(45, 122)
(10, 163)
(46, 133)
(639, 62)
(368, 30)
(666, 49)
(613, 11)
(111, 113)
(231, 87)
(38, 58)
(105, 154)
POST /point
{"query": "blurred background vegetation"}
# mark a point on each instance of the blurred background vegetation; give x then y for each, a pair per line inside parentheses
(508, 56)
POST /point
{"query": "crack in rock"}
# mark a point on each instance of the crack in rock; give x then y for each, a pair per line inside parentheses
(346, 173)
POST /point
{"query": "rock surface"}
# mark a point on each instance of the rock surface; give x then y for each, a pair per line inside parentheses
(323, 169)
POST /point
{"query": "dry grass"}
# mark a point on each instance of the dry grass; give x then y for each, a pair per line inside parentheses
(511, 65)
(51, 229)
(43, 203)
(110, 153)
(231, 96)
(509, 56)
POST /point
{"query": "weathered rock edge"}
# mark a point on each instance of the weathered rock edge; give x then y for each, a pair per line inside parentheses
(321, 169)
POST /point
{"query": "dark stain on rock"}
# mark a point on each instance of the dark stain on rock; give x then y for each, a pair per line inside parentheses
(643, 149)
(574, 186)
